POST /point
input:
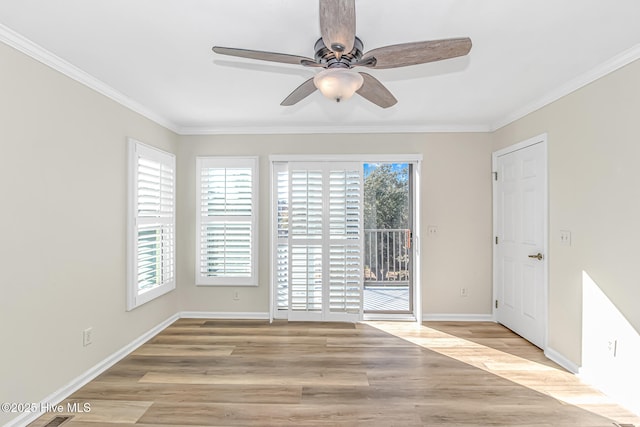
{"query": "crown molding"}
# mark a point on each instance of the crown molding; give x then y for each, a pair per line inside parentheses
(37, 52)
(330, 129)
(607, 67)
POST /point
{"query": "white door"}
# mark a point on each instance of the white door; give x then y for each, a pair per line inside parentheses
(325, 241)
(520, 251)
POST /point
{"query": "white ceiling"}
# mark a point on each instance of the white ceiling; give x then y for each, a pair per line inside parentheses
(155, 56)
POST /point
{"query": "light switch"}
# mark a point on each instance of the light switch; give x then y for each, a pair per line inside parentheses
(565, 237)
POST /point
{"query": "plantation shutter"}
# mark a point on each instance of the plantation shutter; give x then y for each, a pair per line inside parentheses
(152, 233)
(281, 240)
(226, 221)
(306, 263)
(325, 241)
(345, 241)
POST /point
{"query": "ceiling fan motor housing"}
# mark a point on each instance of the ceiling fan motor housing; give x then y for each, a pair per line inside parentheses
(324, 55)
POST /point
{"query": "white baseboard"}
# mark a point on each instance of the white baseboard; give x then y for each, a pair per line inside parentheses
(558, 358)
(223, 315)
(58, 396)
(385, 317)
(457, 318)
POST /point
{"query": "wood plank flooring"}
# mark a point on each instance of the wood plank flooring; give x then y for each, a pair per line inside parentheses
(226, 373)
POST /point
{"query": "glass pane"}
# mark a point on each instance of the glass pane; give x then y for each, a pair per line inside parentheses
(387, 237)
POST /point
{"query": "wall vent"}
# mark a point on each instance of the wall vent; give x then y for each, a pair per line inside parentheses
(58, 421)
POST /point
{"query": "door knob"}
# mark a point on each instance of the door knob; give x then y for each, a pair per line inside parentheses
(538, 256)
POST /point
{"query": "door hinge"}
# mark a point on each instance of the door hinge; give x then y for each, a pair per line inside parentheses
(496, 240)
(495, 176)
(496, 303)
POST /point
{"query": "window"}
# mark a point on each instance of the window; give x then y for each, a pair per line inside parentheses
(151, 224)
(226, 221)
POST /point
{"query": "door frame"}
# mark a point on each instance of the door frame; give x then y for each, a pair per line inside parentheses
(414, 158)
(539, 139)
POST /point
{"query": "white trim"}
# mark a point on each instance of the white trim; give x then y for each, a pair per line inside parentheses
(607, 67)
(40, 54)
(539, 139)
(417, 241)
(558, 358)
(368, 317)
(59, 395)
(224, 315)
(518, 146)
(364, 158)
(457, 317)
(288, 129)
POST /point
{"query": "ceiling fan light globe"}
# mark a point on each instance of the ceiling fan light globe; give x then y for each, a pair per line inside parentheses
(338, 84)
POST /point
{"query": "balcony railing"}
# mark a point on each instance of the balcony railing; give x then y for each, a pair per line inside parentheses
(386, 256)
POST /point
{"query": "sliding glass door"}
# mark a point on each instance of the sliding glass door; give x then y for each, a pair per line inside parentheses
(345, 238)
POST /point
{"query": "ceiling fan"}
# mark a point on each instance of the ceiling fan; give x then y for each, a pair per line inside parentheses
(339, 51)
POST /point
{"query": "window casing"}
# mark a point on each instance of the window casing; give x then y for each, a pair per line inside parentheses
(226, 221)
(151, 238)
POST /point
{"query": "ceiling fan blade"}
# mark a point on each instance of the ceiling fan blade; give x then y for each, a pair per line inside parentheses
(309, 63)
(401, 55)
(300, 93)
(338, 25)
(374, 91)
(261, 55)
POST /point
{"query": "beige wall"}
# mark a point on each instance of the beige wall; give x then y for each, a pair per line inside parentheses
(594, 180)
(456, 197)
(63, 172)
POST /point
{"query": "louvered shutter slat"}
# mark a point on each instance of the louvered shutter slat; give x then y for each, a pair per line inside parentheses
(226, 217)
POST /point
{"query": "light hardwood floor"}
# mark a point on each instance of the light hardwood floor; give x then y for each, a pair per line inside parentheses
(227, 373)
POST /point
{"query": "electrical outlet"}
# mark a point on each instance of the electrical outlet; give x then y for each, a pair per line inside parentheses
(86, 337)
(464, 292)
(236, 295)
(432, 230)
